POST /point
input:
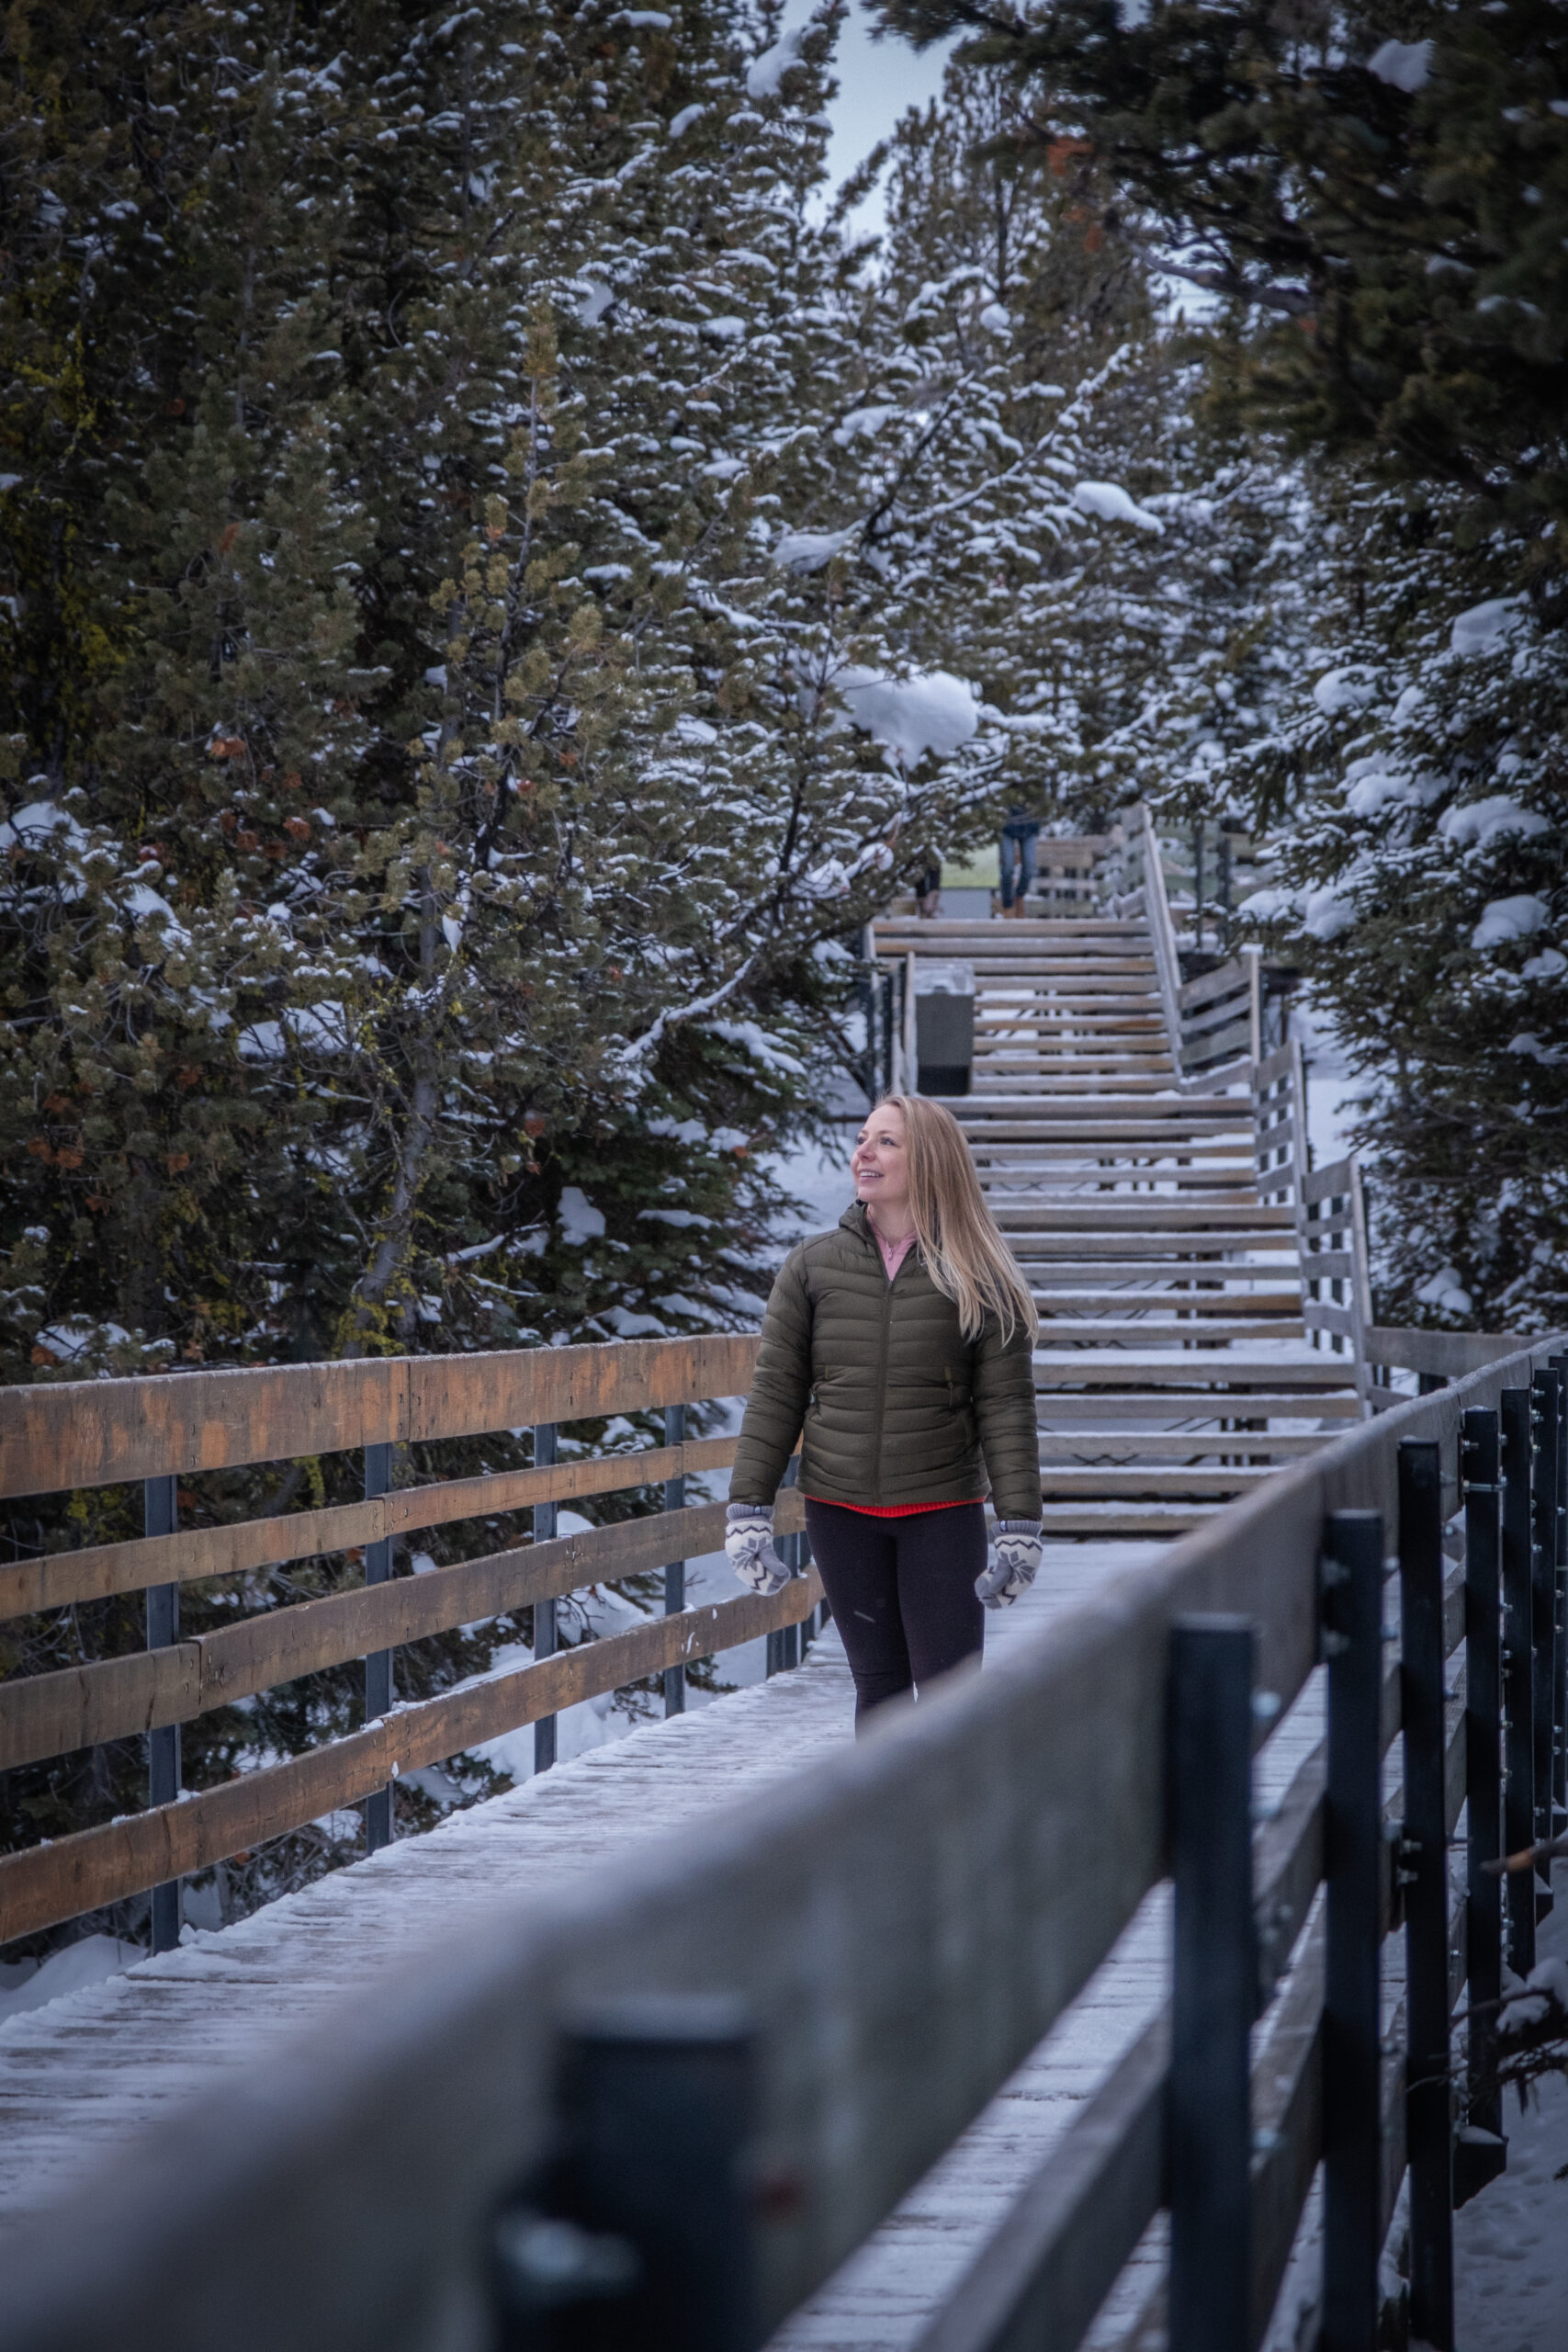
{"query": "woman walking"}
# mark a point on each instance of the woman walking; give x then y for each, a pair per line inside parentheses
(903, 1343)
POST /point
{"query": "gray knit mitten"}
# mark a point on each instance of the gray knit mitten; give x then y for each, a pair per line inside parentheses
(749, 1541)
(1014, 1563)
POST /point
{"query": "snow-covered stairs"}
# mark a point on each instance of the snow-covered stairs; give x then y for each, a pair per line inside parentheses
(1174, 1370)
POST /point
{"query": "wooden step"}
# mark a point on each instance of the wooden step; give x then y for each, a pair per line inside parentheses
(995, 1064)
(1128, 1445)
(1099, 1522)
(1030, 1011)
(1076, 1183)
(1149, 1215)
(1160, 1157)
(1128, 1011)
(1001, 1056)
(1061, 1408)
(1189, 1368)
(1123, 1143)
(1057, 1332)
(1086, 1089)
(1095, 991)
(1059, 1485)
(1101, 1244)
(948, 927)
(1139, 1277)
(1060, 1302)
(1134, 1117)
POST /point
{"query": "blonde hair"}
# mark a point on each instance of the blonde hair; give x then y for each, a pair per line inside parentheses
(966, 1254)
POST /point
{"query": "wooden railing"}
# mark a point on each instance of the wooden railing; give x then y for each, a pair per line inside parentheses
(60, 1438)
(826, 1984)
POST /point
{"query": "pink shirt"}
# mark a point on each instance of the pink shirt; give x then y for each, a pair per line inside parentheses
(893, 1252)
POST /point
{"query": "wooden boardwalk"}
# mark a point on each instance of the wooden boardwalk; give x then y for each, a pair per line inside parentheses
(83, 2078)
(1173, 1374)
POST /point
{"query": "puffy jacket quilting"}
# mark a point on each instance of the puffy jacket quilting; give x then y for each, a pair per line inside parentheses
(896, 1405)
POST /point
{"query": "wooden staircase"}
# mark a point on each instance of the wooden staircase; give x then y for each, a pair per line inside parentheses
(1161, 1229)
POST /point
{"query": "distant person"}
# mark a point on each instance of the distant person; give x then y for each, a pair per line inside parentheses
(902, 1342)
(928, 889)
(1016, 850)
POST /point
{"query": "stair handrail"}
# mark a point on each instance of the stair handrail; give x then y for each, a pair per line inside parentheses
(1162, 931)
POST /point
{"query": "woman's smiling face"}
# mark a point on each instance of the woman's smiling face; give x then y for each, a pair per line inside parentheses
(880, 1163)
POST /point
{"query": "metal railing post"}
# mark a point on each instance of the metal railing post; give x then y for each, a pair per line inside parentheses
(1428, 2097)
(1353, 1865)
(642, 2231)
(1545, 1405)
(378, 1664)
(544, 1611)
(1214, 1991)
(675, 1570)
(1518, 1701)
(1479, 1467)
(160, 1510)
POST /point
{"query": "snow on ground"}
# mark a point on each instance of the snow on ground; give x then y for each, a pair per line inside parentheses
(31, 1984)
(1333, 1095)
(1511, 2242)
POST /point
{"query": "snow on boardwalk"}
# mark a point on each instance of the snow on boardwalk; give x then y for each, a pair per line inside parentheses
(81, 2079)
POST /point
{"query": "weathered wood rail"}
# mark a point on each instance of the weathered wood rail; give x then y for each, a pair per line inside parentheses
(61, 1438)
(887, 1936)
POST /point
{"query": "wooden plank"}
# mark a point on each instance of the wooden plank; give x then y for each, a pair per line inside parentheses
(1287, 1865)
(1222, 1044)
(82, 1706)
(1447, 1355)
(61, 1578)
(54, 1714)
(1323, 1315)
(1145, 1212)
(1098, 1242)
(1187, 1282)
(946, 1885)
(1178, 1310)
(1179, 1335)
(1152, 1483)
(1225, 980)
(1041, 2278)
(1287, 2119)
(65, 1435)
(1326, 1184)
(1324, 1265)
(1062, 1408)
(1190, 1369)
(54, 1881)
(1169, 1445)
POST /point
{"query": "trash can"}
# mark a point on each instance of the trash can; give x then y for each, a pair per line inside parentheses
(945, 1026)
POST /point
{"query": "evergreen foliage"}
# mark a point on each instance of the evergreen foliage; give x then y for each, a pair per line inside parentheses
(1385, 193)
(1421, 878)
(429, 821)
(1378, 207)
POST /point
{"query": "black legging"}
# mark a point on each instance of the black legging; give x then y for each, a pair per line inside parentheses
(902, 1593)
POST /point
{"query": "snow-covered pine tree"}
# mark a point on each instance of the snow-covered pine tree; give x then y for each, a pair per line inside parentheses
(1106, 553)
(406, 896)
(1421, 866)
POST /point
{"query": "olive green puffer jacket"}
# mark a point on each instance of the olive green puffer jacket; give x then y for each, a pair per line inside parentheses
(898, 1406)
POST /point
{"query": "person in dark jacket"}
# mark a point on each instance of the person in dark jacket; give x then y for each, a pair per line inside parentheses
(900, 1348)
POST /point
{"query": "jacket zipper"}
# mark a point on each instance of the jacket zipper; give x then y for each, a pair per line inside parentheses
(881, 1365)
